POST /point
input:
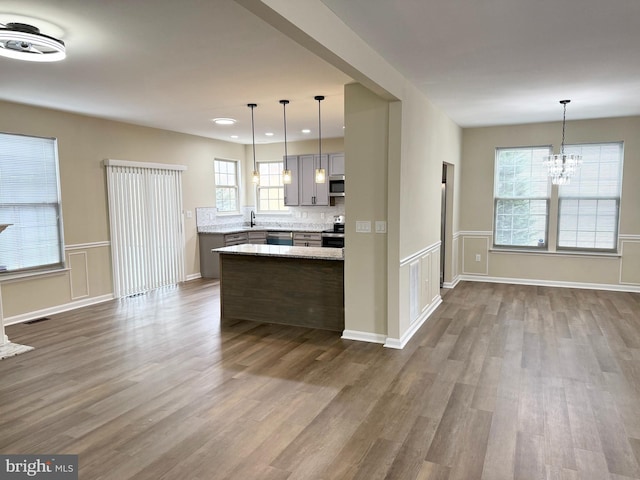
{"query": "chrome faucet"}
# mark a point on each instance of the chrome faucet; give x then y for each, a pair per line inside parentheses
(253, 219)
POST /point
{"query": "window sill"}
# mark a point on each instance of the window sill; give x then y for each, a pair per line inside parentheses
(561, 253)
(228, 214)
(275, 213)
(18, 276)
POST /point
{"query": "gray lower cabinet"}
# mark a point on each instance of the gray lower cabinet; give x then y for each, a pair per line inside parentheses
(307, 239)
(210, 262)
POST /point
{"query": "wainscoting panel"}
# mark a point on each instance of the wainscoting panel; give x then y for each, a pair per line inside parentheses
(79, 277)
(630, 264)
(475, 255)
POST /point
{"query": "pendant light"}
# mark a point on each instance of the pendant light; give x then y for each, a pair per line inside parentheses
(25, 42)
(321, 174)
(286, 173)
(255, 178)
(562, 167)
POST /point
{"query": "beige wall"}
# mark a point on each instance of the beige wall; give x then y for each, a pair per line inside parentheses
(476, 218)
(428, 139)
(366, 144)
(394, 154)
(83, 143)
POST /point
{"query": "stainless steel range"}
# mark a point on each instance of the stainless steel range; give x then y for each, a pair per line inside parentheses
(334, 237)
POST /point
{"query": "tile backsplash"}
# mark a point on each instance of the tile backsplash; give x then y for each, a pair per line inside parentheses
(314, 218)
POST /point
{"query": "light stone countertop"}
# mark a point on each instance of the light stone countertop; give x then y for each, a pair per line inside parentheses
(315, 253)
(260, 228)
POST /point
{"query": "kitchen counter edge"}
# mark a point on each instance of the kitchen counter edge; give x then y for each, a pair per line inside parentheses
(312, 253)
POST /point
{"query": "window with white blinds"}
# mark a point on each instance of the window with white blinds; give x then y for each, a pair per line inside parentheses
(589, 205)
(521, 196)
(30, 204)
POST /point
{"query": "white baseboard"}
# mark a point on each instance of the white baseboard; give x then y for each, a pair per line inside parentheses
(85, 302)
(193, 276)
(453, 284)
(400, 343)
(363, 336)
(553, 283)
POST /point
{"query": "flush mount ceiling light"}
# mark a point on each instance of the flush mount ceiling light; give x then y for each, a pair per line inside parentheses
(25, 42)
(255, 177)
(286, 173)
(321, 174)
(561, 166)
(224, 121)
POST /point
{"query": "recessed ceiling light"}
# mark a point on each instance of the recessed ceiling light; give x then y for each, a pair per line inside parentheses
(25, 42)
(269, 134)
(234, 136)
(224, 121)
(306, 130)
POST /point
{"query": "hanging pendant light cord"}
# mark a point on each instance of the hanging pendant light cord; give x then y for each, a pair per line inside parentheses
(284, 110)
(564, 117)
(319, 131)
(319, 98)
(253, 135)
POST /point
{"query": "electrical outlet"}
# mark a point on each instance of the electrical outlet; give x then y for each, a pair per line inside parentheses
(189, 214)
(381, 226)
(478, 257)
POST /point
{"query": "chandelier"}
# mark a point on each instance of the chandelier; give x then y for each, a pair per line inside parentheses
(562, 166)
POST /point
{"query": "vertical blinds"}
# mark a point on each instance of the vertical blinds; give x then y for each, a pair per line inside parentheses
(147, 239)
(30, 202)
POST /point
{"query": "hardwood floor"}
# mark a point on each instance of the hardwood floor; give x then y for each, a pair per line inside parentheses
(503, 382)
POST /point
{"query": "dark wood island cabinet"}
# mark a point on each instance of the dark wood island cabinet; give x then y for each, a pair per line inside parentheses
(301, 286)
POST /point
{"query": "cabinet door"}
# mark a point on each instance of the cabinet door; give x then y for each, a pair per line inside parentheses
(209, 261)
(231, 239)
(306, 164)
(322, 189)
(257, 238)
(312, 193)
(336, 164)
(291, 190)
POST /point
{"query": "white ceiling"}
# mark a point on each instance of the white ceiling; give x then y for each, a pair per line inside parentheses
(492, 62)
(176, 65)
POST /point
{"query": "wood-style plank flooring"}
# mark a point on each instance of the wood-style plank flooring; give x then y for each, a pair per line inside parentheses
(502, 382)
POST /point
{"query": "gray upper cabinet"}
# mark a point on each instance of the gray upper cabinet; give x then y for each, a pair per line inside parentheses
(291, 190)
(312, 193)
(303, 189)
(336, 164)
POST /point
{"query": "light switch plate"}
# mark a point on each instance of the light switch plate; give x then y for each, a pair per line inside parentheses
(363, 226)
(381, 226)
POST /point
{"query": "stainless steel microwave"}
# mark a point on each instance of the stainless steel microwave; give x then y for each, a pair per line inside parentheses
(336, 186)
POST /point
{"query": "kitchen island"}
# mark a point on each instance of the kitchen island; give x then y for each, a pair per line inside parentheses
(301, 286)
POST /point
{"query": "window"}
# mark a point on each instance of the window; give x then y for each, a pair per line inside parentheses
(270, 192)
(521, 196)
(30, 202)
(589, 205)
(226, 178)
